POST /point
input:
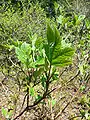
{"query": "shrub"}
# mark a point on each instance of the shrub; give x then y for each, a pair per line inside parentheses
(39, 65)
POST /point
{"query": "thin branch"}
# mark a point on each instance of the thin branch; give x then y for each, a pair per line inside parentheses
(58, 115)
(45, 94)
(36, 102)
(73, 77)
(20, 113)
(23, 101)
(16, 65)
(30, 107)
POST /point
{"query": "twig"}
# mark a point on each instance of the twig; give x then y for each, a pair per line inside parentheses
(20, 113)
(58, 115)
(73, 77)
(23, 101)
(16, 65)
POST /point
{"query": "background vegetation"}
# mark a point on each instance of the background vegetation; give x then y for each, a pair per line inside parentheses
(24, 20)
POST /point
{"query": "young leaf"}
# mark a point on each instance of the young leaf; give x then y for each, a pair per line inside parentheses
(40, 62)
(38, 97)
(60, 19)
(32, 91)
(4, 112)
(25, 48)
(24, 55)
(53, 102)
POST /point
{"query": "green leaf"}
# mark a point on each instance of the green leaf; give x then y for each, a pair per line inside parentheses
(62, 57)
(61, 62)
(46, 64)
(16, 43)
(10, 113)
(23, 52)
(40, 59)
(43, 81)
(40, 62)
(4, 112)
(62, 52)
(78, 19)
(55, 76)
(32, 91)
(25, 48)
(21, 56)
(82, 112)
(49, 51)
(58, 52)
(53, 102)
(39, 42)
(56, 6)
(58, 39)
(82, 88)
(83, 100)
(52, 42)
(89, 117)
(87, 21)
(60, 19)
(38, 97)
(50, 34)
(24, 55)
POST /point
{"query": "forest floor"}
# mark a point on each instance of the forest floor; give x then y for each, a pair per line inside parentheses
(67, 97)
